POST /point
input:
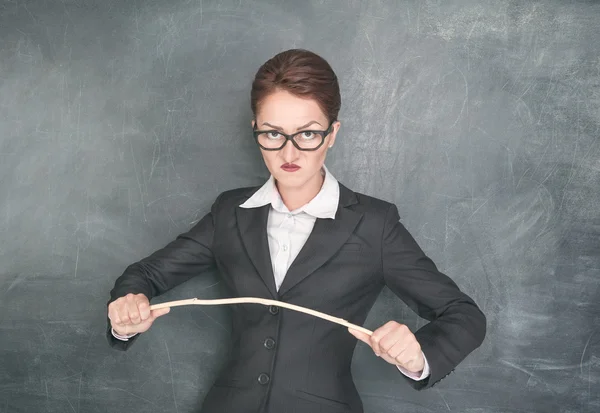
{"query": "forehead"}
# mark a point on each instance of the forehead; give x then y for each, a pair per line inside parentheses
(285, 109)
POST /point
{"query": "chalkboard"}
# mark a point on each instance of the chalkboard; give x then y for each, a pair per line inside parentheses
(121, 121)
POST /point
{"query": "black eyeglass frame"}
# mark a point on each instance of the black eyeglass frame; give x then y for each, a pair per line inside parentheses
(322, 133)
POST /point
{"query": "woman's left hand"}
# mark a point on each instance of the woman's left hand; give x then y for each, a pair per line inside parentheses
(396, 344)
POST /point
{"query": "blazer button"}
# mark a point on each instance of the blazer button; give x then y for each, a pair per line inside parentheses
(263, 378)
(273, 309)
(269, 343)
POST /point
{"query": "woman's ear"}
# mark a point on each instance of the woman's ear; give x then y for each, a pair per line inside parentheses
(336, 128)
(252, 122)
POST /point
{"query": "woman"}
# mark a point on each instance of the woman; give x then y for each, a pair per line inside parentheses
(306, 239)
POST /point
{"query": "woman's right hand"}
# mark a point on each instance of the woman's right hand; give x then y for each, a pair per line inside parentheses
(131, 314)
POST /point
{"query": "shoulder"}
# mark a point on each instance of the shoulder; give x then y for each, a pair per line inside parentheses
(234, 197)
(367, 204)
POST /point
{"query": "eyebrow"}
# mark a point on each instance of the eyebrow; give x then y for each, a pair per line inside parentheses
(300, 127)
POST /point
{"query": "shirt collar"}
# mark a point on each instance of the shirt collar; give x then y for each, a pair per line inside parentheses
(323, 205)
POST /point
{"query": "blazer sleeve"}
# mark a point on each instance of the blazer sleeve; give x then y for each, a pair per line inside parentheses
(188, 255)
(456, 324)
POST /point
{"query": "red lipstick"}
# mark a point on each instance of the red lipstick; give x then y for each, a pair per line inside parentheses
(290, 167)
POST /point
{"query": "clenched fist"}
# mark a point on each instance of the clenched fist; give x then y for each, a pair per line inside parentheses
(396, 344)
(131, 314)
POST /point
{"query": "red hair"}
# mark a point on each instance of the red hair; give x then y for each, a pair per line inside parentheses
(301, 73)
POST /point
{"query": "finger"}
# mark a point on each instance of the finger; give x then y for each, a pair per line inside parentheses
(408, 359)
(398, 334)
(364, 337)
(143, 307)
(380, 340)
(113, 314)
(161, 311)
(132, 309)
(388, 359)
(374, 342)
(392, 340)
(378, 335)
(123, 313)
(397, 350)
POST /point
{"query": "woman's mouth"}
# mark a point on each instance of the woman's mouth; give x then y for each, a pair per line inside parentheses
(290, 167)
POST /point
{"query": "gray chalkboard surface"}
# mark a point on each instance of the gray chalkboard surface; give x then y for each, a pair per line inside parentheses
(120, 122)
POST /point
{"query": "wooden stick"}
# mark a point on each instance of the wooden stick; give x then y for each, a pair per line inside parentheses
(264, 301)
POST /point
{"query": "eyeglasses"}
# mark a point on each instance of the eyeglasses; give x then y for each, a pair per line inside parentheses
(306, 140)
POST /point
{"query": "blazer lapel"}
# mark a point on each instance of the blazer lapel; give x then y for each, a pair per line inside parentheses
(326, 238)
(252, 225)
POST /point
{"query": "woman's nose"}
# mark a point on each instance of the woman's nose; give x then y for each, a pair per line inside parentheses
(289, 152)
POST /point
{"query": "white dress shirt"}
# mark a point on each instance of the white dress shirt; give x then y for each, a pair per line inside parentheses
(287, 230)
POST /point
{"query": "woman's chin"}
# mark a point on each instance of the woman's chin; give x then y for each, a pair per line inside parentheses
(290, 180)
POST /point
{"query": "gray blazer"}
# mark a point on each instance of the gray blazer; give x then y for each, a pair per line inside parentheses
(287, 361)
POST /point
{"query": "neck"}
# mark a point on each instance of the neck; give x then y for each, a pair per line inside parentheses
(295, 197)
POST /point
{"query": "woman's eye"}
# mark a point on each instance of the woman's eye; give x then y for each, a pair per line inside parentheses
(308, 135)
(273, 135)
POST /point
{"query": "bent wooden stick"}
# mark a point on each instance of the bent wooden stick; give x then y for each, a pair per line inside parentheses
(264, 301)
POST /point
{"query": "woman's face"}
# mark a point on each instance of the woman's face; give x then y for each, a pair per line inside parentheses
(287, 113)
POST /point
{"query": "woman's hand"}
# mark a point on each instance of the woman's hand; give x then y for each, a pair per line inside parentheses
(396, 344)
(132, 314)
